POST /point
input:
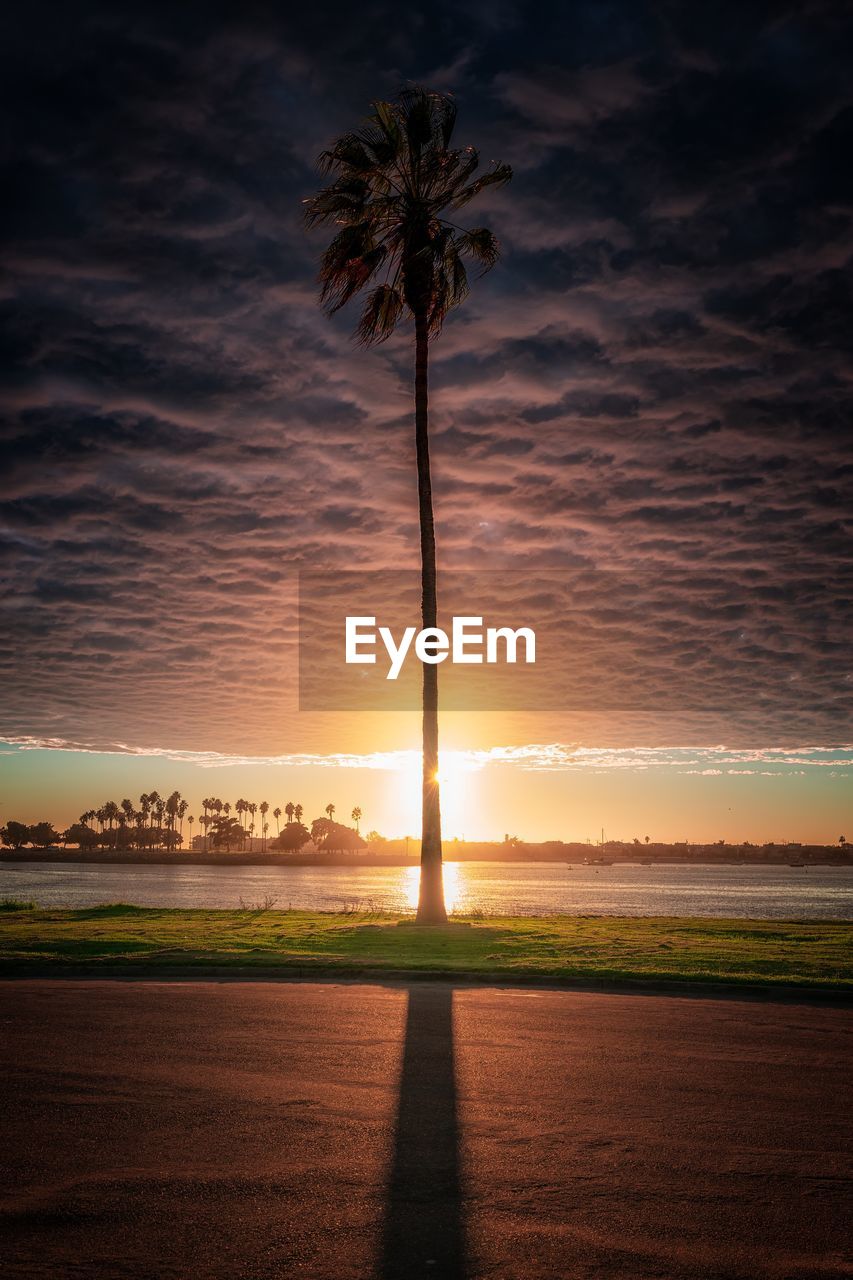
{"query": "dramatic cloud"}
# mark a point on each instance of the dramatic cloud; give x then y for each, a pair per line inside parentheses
(655, 383)
(552, 757)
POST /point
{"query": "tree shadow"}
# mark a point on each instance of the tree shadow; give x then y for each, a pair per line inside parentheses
(424, 1232)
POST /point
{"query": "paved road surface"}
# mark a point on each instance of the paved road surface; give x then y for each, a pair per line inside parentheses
(250, 1130)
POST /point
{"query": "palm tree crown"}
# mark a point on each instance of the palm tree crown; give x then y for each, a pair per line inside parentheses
(393, 180)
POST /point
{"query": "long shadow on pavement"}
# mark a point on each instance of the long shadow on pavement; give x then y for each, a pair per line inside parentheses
(424, 1232)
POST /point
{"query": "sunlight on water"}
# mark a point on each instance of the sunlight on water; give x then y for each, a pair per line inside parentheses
(452, 886)
(487, 888)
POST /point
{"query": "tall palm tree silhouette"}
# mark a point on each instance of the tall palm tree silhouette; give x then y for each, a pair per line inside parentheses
(393, 179)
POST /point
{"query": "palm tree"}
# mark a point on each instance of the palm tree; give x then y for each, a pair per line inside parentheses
(298, 812)
(190, 822)
(330, 810)
(276, 813)
(264, 808)
(356, 816)
(289, 810)
(393, 179)
(172, 806)
(153, 801)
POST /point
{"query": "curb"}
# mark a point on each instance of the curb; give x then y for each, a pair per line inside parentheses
(689, 988)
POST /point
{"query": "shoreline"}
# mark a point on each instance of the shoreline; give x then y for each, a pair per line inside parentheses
(184, 859)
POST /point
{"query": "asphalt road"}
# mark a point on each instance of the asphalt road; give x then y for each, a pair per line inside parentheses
(259, 1130)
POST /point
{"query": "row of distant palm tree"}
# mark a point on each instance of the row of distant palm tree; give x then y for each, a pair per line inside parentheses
(159, 822)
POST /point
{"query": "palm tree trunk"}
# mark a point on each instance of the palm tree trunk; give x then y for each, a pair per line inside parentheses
(431, 909)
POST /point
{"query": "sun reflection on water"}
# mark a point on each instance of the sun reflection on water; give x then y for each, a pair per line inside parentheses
(452, 886)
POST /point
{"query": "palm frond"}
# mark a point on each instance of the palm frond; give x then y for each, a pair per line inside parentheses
(349, 152)
(497, 177)
(463, 169)
(482, 244)
(382, 309)
(349, 263)
(457, 276)
(344, 200)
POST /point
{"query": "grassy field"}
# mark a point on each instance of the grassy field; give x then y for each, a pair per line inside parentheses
(121, 939)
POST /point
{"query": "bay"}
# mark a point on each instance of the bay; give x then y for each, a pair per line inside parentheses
(487, 888)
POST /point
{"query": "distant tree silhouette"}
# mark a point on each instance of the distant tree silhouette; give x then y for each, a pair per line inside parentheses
(172, 808)
(153, 805)
(42, 835)
(330, 810)
(226, 833)
(15, 834)
(81, 835)
(292, 838)
(356, 816)
(333, 837)
(393, 179)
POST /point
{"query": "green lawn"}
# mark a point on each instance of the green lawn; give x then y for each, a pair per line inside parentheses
(125, 939)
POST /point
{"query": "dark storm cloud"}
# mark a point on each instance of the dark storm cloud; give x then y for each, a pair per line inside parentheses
(655, 379)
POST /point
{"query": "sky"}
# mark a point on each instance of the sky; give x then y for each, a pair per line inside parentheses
(651, 390)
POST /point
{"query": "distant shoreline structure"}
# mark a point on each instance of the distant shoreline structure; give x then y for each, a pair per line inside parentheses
(394, 853)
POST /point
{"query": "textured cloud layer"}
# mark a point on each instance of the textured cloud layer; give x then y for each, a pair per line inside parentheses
(551, 757)
(655, 381)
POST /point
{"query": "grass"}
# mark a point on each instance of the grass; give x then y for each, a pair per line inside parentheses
(121, 938)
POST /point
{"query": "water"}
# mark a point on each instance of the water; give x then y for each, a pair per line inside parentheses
(493, 888)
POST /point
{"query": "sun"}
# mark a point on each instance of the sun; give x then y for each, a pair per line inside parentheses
(458, 795)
